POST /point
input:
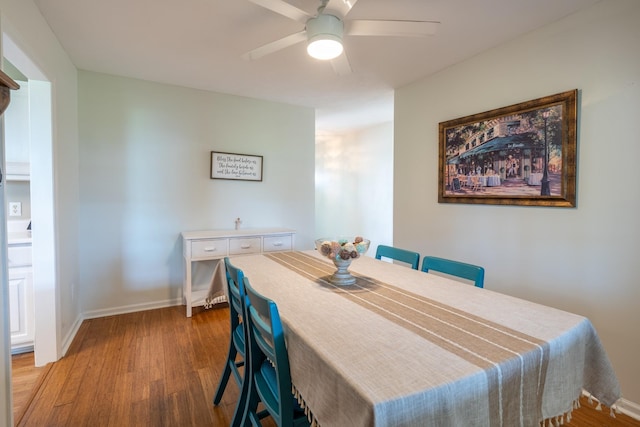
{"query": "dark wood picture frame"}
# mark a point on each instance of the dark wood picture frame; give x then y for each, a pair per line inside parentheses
(523, 154)
(233, 166)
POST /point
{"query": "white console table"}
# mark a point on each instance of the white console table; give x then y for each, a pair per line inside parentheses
(216, 244)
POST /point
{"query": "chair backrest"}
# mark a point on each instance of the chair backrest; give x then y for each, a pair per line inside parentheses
(455, 268)
(235, 280)
(237, 341)
(403, 255)
(267, 349)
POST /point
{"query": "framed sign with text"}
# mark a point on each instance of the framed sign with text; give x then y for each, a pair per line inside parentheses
(234, 166)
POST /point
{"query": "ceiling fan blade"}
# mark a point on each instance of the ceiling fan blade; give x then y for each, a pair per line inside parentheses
(340, 7)
(341, 65)
(274, 46)
(391, 28)
(284, 9)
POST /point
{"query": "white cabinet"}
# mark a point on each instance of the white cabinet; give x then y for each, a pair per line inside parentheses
(216, 244)
(21, 297)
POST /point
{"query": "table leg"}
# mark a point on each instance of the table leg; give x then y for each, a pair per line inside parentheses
(186, 286)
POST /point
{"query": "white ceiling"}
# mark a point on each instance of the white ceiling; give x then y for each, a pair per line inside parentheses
(199, 43)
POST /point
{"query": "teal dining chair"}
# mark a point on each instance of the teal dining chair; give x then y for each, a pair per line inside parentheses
(455, 268)
(237, 341)
(403, 255)
(269, 377)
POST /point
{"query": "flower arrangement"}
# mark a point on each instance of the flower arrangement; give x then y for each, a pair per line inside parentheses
(342, 249)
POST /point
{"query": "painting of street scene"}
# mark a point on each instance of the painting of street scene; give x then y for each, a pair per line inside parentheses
(514, 156)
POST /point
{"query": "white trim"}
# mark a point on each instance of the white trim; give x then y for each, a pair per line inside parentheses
(68, 339)
(132, 308)
(45, 280)
(629, 408)
(114, 311)
(28, 348)
(622, 406)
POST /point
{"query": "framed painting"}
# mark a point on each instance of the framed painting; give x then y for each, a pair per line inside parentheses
(523, 154)
(234, 166)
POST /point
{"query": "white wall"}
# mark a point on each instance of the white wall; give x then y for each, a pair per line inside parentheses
(354, 184)
(144, 178)
(582, 260)
(22, 22)
(27, 29)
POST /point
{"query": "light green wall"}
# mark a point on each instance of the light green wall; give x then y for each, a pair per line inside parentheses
(581, 260)
(13, 72)
(23, 24)
(16, 139)
(42, 58)
(144, 178)
(18, 191)
(354, 184)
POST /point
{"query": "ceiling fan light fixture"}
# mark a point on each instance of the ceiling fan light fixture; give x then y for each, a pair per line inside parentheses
(324, 35)
(325, 47)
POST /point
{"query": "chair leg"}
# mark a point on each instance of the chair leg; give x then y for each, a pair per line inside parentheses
(224, 379)
(241, 405)
(250, 416)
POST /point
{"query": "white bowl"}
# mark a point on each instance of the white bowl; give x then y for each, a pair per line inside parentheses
(333, 252)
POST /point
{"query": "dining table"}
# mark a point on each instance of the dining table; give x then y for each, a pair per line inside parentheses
(483, 180)
(535, 178)
(493, 180)
(402, 347)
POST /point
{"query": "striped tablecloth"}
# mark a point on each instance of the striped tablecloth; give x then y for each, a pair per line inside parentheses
(406, 348)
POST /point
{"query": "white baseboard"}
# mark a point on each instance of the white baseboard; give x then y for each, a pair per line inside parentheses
(131, 308)
(68, 339)
(19, 349)
(629, 408)
(623, 406)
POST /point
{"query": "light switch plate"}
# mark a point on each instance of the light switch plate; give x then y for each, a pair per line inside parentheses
(15, 209)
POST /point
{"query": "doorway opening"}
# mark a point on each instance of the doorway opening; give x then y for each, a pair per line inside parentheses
(41, 188)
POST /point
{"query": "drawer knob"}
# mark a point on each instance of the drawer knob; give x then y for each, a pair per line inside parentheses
(245, 246)
(210, 249)
(277, 244)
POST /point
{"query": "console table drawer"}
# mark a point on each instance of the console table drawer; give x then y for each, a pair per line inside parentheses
(209, 248)
(244, 246)
(277, 243)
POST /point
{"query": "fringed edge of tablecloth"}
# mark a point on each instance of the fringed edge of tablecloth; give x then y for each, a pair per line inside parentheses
(303, 405)
(211, 301)
(613, 409)
(561, 419)
(217, 292)
(566, 417)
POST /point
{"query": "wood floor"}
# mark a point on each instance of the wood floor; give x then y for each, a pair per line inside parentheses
(153, 368)
(26, 378)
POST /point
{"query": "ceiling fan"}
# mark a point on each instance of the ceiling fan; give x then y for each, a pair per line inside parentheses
(325, 30)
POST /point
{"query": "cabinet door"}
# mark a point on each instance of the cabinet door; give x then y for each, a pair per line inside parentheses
(16, 305)
(21, 306)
